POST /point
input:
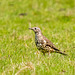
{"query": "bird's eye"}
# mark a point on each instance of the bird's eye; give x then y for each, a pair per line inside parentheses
(35, 28)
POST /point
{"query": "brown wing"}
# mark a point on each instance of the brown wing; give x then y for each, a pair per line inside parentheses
(49, 43)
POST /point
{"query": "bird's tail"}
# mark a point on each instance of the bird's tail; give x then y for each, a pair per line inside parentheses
(61, 53)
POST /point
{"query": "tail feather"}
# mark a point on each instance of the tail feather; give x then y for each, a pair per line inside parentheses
(61, 53)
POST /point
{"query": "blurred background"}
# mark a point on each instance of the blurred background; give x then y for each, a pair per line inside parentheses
(18, 53)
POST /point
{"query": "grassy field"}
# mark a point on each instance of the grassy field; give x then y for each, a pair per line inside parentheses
(18, 53)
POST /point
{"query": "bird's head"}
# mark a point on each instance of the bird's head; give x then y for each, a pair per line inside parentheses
(36, 29)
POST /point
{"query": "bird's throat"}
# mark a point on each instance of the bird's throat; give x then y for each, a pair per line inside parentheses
(38, 36)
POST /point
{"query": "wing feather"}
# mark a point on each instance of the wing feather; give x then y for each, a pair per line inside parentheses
(49, 43)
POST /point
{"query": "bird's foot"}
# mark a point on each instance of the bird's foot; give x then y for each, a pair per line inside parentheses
(44, 54)
(49, 54)
(37, 52)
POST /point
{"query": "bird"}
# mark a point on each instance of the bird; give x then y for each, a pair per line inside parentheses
(43, 44)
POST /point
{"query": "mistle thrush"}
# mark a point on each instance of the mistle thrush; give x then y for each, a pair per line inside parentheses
(43, 44)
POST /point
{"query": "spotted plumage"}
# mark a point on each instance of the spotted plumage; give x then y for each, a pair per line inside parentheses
(43, 44)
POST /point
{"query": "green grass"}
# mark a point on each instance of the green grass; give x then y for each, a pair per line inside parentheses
(18, 53)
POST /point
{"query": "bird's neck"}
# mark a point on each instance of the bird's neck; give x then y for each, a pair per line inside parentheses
(38, 35)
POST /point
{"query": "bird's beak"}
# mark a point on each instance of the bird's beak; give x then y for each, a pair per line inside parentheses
(31, 28)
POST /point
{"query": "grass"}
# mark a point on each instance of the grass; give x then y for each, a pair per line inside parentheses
(18, 53)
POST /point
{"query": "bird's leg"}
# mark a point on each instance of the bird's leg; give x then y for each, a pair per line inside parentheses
(43, 53)
(49, 53)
